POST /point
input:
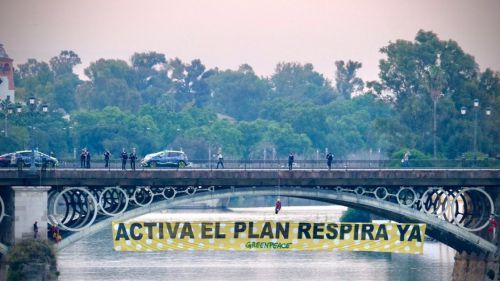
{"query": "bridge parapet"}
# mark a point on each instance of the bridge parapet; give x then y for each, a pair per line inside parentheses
(186, 177)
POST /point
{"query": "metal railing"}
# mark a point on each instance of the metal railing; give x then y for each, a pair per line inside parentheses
(299, 164)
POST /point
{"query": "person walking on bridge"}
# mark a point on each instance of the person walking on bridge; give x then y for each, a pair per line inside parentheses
(291, 158)
(124, 157)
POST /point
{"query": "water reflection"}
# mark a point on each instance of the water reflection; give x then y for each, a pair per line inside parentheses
(94, 259)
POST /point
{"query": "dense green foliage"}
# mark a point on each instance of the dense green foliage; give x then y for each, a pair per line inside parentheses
(32, 260)
(153, 102)
(355, 215)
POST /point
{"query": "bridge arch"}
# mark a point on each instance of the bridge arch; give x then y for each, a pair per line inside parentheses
(447, 233)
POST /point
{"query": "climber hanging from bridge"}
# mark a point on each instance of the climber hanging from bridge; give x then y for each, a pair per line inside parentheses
(278, 206)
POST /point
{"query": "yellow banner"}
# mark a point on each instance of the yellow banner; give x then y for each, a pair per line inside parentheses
(268, 235)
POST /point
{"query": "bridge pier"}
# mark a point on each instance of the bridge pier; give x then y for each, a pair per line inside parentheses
(480, 267)
(22, 206)
(30, 204)
(7, 221)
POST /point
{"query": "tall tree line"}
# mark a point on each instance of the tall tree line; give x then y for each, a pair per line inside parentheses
(154, 102)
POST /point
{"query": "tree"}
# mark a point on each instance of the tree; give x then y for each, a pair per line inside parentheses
(64, 63)
(147, 60)
(417, 73)
(31, 260)
(301, 83)
(111, 84)
(151, 78)
(286, 140)
(252, 134)
(355, 215)
(114, 129)
(347, 84)
(238, 93)
(190, 87)
(34, 78)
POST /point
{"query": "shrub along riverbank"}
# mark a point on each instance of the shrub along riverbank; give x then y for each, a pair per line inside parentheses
(32, 259)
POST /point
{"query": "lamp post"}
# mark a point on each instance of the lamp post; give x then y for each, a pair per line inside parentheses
(33, 110)
(70, 140)
(8, 111)
(463, 111)
(435, 85)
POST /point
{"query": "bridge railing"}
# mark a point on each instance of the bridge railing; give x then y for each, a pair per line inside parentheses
(300, 164)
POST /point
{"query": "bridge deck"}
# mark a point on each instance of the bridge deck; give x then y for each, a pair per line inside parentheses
(229, 177)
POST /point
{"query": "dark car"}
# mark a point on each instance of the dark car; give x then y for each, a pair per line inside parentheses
(5, 159)
(167, 158)
(24, 158)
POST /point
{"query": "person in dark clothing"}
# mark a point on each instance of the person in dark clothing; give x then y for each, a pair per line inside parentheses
(106, 159)
(277, 207)
(35, 229)
(329, 159)
(82, 159)
(290, 161)
(132, 160)
(124, 157)
(19, 162)
(87, 158)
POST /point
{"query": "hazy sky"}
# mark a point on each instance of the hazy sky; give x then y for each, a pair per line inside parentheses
(227, 33)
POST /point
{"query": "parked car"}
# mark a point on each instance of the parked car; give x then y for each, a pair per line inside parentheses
(5, 159)
(24, 156)
(167, 158)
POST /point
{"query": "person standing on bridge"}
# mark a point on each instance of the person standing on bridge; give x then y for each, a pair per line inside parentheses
(82, 158)
(132, 160)
(291, 158)
(329, 159)
(106, 158)
(124, 157)
(220, 160)
(406, 159)
(87, 158)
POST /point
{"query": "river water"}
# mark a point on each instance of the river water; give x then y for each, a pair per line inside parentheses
(93, 258)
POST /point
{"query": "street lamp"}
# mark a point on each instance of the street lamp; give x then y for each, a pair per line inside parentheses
(463, 111)
(435, 84)
(8, 111)
(32, 108)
